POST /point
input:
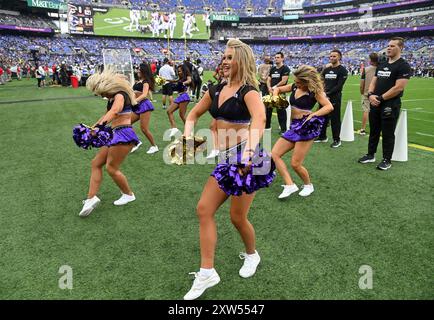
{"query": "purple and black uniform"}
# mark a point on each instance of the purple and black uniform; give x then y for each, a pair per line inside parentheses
(226, 173)
(182, 90)
(300, 130)
(144, 105)
(123, 134)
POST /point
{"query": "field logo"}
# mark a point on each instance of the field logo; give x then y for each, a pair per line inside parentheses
(65, 281)
(117, 20)
(366, 281)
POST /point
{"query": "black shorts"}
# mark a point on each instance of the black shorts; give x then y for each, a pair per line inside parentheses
(167, 89)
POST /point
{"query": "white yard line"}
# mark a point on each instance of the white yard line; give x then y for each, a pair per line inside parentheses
(428, 99)
(430, 121)
(424, 134)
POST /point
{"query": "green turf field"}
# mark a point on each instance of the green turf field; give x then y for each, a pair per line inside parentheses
(311, 248)
(116, 22)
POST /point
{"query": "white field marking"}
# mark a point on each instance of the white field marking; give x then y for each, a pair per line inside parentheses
(430, 121)
(424, 134)
(414, 89)
(113, 26)
(428, 99)
(420, 110)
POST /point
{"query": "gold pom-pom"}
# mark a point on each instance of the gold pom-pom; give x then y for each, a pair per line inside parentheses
(185, 148)
(159, 81)
(268, 101)
(278, 102)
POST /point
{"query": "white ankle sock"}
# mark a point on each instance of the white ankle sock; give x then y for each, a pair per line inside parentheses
(253, 254)
(206, 272)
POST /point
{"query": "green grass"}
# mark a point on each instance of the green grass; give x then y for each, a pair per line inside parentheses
(311, 248)
(114, 22)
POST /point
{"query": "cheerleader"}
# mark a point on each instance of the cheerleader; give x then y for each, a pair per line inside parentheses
(306, 125)
(120, 97)
(142, 111)
(240, 118)
(183, 99)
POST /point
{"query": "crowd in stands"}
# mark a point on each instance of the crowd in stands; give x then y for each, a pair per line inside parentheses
(81, 54)
(310, 3)
(327, 28)
(238, 7)
(342, 24)
(57, 51)
(346, 5)
(26, 20)
(258, 7)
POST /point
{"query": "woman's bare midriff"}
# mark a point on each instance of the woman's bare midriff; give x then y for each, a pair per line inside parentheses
(121, 120)
(230, 134)
(298, 113)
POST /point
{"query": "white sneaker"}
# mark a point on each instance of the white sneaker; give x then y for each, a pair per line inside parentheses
(152, 150)
(307, 190)
(89, 205)
(200, 284)
(251, 262)
(288, 190)
(136, 147)
(124, 199)
(173, 132)
(214, 153)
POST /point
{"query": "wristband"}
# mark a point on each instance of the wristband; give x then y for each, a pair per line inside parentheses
(370, 94)
(380, 98)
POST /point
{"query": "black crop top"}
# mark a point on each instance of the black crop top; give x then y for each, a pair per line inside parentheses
(234, 109)
(127, 103)
(138, 86)
(305, 102)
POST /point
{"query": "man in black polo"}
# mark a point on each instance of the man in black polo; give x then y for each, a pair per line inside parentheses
(385, 92)
(334, 76)
(278, 77)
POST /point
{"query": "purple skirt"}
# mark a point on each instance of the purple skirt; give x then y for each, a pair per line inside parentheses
(260, 175)
(184, 97)
(123, 135)
(304, 132)
(143, 106)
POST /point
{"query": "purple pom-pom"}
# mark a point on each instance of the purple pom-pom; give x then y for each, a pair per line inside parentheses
(309, 128)
(84, 138)
(102, 136)
(261, 174)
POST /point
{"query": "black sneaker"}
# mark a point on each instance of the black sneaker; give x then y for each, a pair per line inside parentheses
(324, 140)
(384, 165)
(367, 159)
(336, 144)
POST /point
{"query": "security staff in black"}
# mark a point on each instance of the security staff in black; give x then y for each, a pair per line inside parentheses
(385, 92)
(334, 77)
(278, 77)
